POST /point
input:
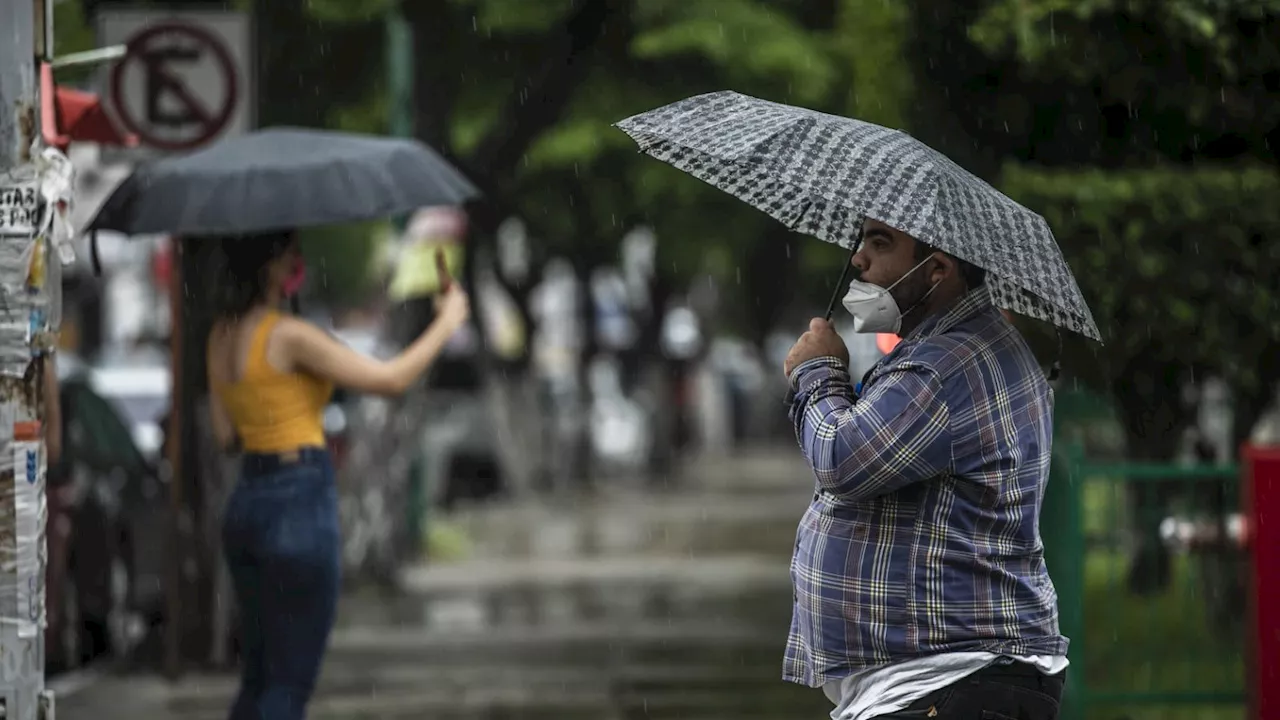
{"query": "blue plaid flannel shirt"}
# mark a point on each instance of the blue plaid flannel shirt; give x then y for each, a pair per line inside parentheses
(923, 535)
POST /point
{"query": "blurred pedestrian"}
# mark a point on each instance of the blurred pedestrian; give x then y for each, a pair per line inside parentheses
(271, 376)
(920, 583)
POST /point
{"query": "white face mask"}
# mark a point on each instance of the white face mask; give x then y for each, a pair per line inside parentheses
(874, 310)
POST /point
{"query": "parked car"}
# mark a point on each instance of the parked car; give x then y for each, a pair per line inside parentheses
(138, 385)
(107, 532)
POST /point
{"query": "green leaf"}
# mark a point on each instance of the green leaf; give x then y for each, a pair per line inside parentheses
(1183, 277)
(743, 39)
(347, 10)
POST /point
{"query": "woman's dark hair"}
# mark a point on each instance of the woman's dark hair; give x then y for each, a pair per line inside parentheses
(242, 283)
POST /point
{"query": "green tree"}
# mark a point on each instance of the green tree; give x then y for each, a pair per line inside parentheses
(1144, 131)
(523, 97)
(1155, 88)
(661, 51)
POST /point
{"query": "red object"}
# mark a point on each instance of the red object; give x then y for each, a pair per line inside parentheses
(293, 284)
(1261, 488)
(337, 445)
(162, 265)
(887, 342)
(68, 116)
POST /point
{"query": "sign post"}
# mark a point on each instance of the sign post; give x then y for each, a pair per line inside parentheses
(185, 79)
(29, 294)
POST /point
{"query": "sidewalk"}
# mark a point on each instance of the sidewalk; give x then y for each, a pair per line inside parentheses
(629, 604)
(738, 504)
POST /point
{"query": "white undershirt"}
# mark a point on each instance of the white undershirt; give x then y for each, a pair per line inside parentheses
(889, 688)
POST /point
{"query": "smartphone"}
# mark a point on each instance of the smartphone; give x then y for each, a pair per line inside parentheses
(442, 267)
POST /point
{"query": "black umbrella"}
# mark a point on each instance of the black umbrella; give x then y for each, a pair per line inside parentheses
(282, 178)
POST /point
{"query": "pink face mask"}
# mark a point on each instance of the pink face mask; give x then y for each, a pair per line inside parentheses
(293, 284)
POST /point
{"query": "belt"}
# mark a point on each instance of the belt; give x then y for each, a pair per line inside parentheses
(261, 463)
(1023, 675)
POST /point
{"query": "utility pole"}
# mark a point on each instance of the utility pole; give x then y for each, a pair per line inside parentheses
(28, 300)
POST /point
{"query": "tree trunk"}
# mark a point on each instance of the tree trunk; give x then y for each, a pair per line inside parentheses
(772, 276)
(434, 28)
(1153, 431)
(583, 474)
(938, 48)
(1251, 401)
(542, 96)
(290, 33)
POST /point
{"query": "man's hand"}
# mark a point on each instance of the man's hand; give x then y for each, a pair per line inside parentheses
(820, 341)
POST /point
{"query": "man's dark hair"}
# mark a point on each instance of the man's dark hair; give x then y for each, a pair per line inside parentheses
(973, 275)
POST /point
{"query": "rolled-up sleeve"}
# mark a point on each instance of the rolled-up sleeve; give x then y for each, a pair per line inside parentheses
(895, 435)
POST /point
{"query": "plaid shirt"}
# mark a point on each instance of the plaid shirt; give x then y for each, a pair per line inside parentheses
(923, 536)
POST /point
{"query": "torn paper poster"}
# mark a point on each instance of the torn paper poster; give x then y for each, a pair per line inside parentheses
(37, 198)
(29, 510)
(16, 255)
(19, 207)
(57, 177)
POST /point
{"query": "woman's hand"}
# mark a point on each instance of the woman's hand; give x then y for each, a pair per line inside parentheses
(316, 352)
(453, 307)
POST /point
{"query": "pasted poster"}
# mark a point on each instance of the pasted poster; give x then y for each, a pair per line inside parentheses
(20, 225)
(29, 483)
(20, 208)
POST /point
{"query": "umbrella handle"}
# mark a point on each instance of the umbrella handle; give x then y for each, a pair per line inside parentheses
(835, 299)
(844, 280)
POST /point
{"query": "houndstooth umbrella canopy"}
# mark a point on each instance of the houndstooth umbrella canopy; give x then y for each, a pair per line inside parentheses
(822, 174)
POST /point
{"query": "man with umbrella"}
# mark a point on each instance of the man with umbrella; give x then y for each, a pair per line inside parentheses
(920, 587)
(919, 574)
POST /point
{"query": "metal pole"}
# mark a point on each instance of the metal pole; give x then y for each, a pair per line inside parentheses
(399, 54)
(177, 432)
(25, 297)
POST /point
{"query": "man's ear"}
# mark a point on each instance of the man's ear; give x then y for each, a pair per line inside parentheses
(945, 267)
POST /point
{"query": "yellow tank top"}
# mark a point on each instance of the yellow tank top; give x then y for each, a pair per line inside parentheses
(274, 412)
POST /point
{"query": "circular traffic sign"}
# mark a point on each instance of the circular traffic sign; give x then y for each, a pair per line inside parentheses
(158, 51)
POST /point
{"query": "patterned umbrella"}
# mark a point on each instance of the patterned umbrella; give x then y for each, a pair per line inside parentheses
(822, 174)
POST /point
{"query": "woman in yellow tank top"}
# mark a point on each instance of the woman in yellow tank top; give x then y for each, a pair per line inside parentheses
(271, 376)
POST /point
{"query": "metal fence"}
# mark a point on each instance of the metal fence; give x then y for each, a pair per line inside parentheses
(1151, 579)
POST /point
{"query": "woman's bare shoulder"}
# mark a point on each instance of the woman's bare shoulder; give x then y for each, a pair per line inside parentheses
(298, 326)
(303, 334)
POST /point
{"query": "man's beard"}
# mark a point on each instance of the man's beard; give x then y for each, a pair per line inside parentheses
(909, 293)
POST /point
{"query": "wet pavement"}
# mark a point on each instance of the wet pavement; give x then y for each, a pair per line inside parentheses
(628, 605)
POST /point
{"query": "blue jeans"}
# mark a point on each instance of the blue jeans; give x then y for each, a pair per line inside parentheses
(280, 538)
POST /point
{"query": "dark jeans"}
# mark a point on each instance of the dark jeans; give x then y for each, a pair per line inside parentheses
(280, 537)
(1000, 692)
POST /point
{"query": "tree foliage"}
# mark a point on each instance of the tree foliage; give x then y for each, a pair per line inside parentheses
(1099, 113)
(1179, 265)
(829, 56)
(1144, 133)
